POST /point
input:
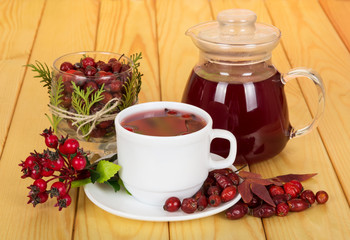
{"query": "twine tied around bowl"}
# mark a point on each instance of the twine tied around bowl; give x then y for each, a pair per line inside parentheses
(82, 120)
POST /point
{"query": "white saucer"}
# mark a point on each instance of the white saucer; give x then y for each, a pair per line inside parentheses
(124, 205)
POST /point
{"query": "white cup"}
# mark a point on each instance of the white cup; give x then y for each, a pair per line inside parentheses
(155, 168)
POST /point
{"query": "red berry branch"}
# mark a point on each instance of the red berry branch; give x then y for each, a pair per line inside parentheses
(64, 164)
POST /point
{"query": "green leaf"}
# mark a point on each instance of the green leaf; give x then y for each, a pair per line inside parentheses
(106, 170)
(94, 175)
(81, 182)
(114, 183)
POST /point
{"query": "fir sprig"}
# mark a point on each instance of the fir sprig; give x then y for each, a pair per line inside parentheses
(83, 100)
(56, 95)
(43, 72)
(133, 85)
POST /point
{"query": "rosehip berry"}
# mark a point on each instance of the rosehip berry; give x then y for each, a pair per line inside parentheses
(172, 204)
(321, 197)
(58, 189)
(228, 193)
(79, 162)
(214, 190)
(237, 211)
(189, 205)
(276, 190)
(91, 85)
(255, 202)
(106, 97)
(281, 198)
(38, 186)
(298, 184)
(264, 211)
(291, 189)
(51, 140)
(102, 66)
(198, 194)
(308, 196)
(65, 66)
(35, 173)
(69, 146)
(222, 180)
(29, 162)
(116, 66)
(63, 202)
(38, 198)
(46, 171)
(88, 61)
(234, 178)
(90, 71)
(202, 203)
(214, 200)
(56, 163)
(282, 209)
(298, 205)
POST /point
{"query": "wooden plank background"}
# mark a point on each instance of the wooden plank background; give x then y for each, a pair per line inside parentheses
(315, 34)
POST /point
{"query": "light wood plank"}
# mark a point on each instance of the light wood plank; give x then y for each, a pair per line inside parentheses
(128, 27)
(302, 155)
(19, 21)
(177, 54)
(60, 32)
(309, 45)
(338, 13)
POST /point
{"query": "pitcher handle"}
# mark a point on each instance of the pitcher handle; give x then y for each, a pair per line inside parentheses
(315, 77)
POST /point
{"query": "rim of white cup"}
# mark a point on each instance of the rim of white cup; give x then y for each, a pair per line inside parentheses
(158, 105)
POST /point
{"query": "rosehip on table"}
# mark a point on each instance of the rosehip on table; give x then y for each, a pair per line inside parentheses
(264, 211)
(237, 211)
(37, 198)
(321, 197)
(276, 190)
(291, 189)
(308, 196)
(298, 205)
(282, 209)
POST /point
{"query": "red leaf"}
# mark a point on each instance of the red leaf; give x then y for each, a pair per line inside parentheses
(260, 181)
(299, 177)
(245, 174)
(244, 190)
(262, 193)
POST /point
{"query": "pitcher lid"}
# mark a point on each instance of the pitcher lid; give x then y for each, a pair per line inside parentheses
(235, 31)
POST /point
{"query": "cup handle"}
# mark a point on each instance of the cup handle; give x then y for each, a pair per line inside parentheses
(224, 163)
(309, 73)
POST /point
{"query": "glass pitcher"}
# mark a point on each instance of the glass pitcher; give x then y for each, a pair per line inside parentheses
(236, 83)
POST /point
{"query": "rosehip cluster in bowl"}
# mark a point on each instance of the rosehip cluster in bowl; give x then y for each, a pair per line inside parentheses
(94, 70)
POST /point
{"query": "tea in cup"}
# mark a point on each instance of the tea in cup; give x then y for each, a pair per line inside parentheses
(164, 150)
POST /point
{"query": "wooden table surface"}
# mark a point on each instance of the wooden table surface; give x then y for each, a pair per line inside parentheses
(315, 34)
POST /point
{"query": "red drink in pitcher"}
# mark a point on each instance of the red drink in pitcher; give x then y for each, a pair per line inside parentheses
(255, 112)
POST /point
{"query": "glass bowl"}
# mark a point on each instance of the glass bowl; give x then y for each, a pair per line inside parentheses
(88, 89)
